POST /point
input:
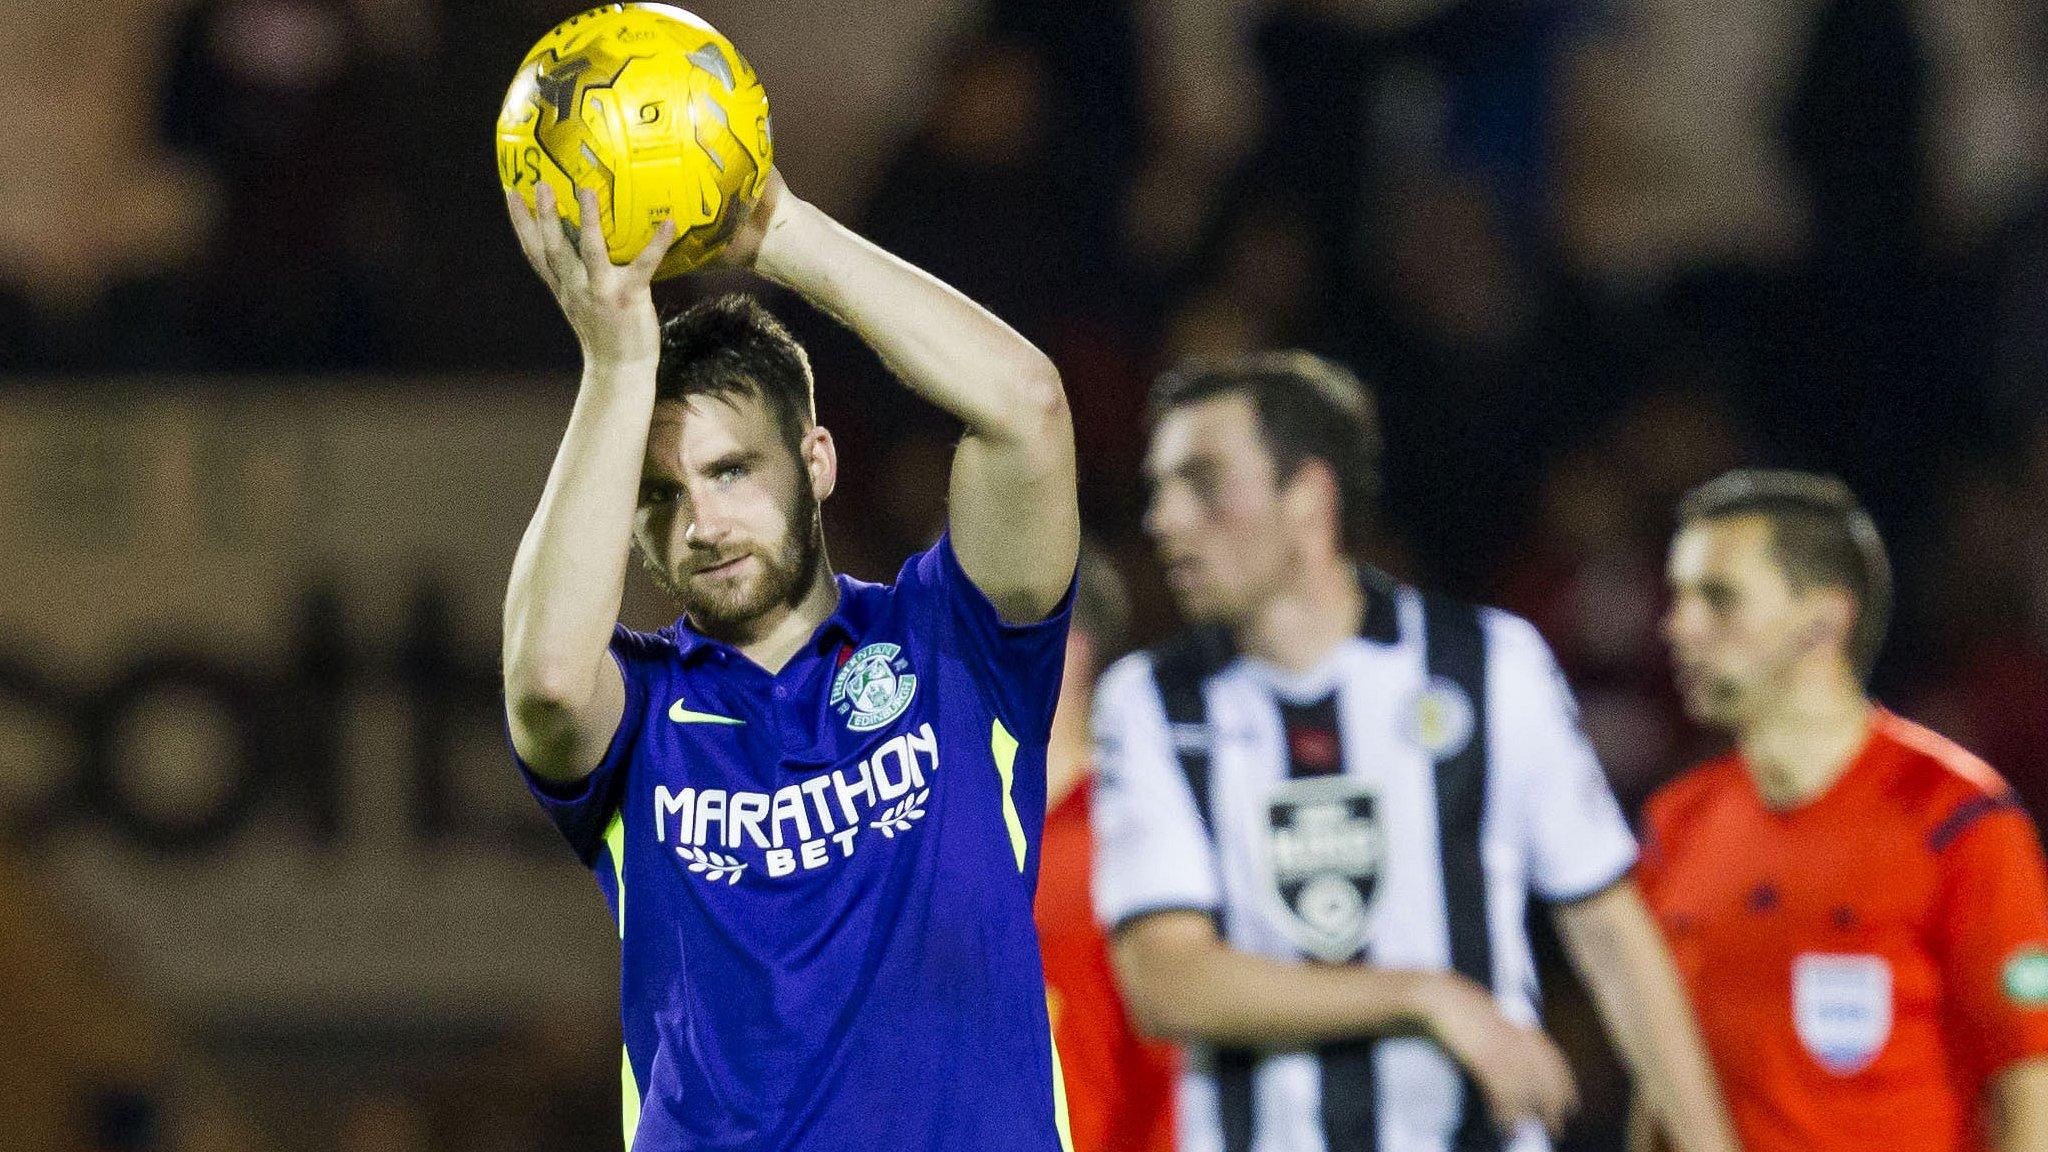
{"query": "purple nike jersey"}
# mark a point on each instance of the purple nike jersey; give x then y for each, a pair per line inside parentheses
(823, 878)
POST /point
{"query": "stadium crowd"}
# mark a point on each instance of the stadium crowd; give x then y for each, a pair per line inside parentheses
(1588, 253)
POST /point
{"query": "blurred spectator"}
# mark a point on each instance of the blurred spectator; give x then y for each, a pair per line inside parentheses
(1094, 127)
(469, 301)
(1667, 141)
(1987, 601)
(982, 156)
(1590, 576)
(2013, 325)
(1988, 104)
(999, 144)
(92, 198)
(1855, 131)
(1470, 395)
(292, 106)
(1266, 284)
(387, 1122)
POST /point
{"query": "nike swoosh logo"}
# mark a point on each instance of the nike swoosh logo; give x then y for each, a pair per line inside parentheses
(682, 715)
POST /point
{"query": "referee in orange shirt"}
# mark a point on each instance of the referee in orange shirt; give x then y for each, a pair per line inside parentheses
(1858, 906)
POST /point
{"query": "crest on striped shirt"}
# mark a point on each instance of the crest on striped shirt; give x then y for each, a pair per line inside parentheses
(1322, 854)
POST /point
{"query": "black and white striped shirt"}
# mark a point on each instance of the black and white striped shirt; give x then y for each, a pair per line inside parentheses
(1394, 806)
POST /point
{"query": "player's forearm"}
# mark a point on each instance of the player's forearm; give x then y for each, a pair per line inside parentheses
(943, 346)
(1225, 997)
(2019, 1107)
(1617, 949)
(1642, 1133)
(570, 572)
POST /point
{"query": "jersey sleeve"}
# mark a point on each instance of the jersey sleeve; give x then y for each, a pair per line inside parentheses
(1152, 852)
(1578, 840)
(1016, 667)
(582, 808)
(1654, 849)
(1994, 930)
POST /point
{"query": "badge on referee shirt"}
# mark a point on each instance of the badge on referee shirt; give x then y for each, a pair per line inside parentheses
(1322, 852)
(1842, 1008)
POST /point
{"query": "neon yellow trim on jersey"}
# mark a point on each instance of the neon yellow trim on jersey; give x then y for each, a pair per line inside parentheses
(1004, 746)
(629, 1097)
(629, 1088)
(1059, 1097)
(615, 846)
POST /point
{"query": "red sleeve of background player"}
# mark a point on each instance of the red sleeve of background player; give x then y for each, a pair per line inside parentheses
(1994, 925)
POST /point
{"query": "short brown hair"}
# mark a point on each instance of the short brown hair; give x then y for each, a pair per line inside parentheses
(1820, 536)
(1308, 408)
(733, 346)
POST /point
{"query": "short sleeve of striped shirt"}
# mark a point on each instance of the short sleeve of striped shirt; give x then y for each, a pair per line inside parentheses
(1579, 842)
(1152, 852)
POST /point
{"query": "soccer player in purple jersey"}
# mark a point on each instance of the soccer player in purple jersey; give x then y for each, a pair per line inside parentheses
(813, 803)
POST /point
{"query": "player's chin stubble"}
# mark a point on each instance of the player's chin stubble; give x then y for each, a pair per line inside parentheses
(785, 576)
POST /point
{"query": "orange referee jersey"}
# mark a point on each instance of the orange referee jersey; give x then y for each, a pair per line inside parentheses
(1119, 1086)
(1863, 965)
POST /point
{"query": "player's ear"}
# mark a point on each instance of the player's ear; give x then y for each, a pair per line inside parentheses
(1311, 499)
(821, 461)
(1833, 620)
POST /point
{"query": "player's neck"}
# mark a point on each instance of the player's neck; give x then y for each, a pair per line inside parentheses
(1307, 619)
(773, 638)
(1806, 738)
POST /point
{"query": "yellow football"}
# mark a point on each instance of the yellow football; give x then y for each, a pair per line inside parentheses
(651, 108)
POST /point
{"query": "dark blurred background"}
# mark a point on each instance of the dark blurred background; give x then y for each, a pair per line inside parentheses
(277, 394)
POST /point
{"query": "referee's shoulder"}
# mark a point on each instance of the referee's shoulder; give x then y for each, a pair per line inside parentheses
(1674, 805)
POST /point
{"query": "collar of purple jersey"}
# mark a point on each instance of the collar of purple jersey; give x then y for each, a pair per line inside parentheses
(859, 603)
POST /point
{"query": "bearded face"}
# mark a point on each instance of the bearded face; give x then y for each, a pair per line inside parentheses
(725, 589)
(728, 521)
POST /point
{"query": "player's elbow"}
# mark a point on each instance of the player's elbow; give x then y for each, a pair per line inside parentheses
(1167, 994)
(1039, 398)
(1154, 1010)
(1187, 1011)
(1040, 385)
(539, 688)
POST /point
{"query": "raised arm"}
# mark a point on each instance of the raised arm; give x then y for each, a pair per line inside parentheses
(1183, 982)
(1616, 947)
(563, 694)
(1014, 519)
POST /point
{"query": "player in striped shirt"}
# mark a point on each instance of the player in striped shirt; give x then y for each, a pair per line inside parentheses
(1322, 811)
